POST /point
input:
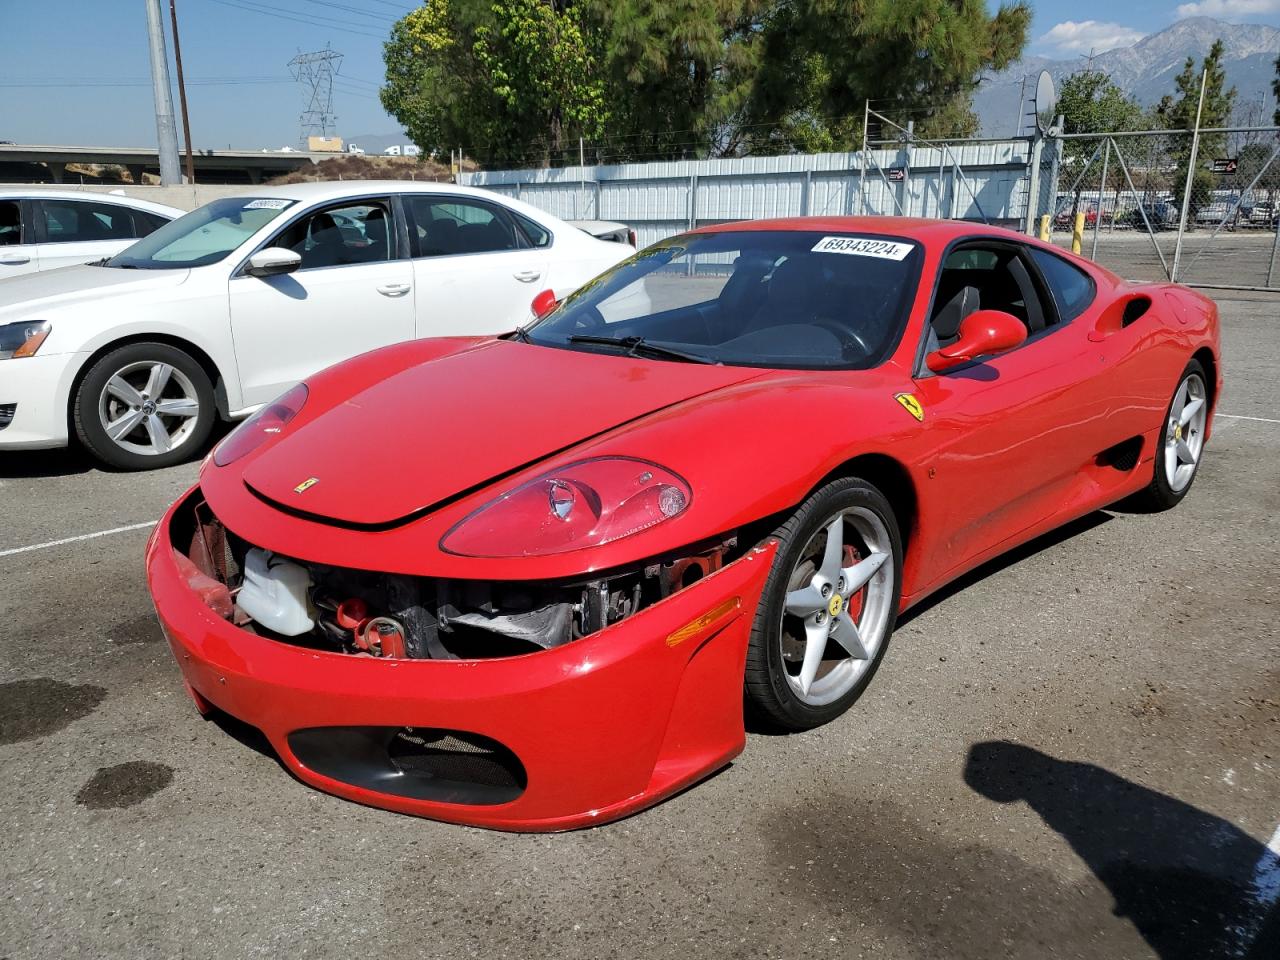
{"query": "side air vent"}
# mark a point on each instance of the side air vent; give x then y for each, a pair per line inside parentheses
(1123, 456)
(1134, 309)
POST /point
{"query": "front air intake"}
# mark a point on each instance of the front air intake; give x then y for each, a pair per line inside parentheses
(446, 766)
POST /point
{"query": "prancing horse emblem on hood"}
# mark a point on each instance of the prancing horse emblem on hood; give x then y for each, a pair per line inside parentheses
(306, 485)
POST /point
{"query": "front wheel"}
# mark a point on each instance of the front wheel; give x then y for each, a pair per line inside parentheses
(144, 406)
(829, 605)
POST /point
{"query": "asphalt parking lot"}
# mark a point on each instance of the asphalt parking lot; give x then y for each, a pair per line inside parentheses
(1074, 753)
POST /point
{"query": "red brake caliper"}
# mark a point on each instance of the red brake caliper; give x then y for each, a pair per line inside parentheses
(852, 556)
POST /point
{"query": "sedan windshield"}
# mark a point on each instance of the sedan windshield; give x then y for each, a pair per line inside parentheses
(204, 236)
(778, 298)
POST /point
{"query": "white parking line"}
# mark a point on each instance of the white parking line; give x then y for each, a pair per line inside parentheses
(1236, 416)
(86, 536)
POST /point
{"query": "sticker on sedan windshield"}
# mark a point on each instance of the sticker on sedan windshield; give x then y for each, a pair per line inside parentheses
(266, 204)
(862, 247)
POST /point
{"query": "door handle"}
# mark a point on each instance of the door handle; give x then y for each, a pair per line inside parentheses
(14, 259)
(394, 289)
(527, 276)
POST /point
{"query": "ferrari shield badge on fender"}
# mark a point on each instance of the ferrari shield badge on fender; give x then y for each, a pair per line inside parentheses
(910, 404)
(306, 485)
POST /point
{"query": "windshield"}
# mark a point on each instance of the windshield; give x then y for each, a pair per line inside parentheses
(782, 298)
(204, 236)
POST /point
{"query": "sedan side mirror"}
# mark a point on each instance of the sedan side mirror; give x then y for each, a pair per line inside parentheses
(983, 333)
(273, 262)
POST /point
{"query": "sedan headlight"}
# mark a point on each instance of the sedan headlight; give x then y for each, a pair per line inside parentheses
(22, 339)
(584, 504)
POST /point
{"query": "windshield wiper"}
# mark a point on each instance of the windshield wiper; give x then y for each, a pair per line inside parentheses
(520, 333)
(637, 345)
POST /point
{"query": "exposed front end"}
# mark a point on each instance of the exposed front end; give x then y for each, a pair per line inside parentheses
(538, 705)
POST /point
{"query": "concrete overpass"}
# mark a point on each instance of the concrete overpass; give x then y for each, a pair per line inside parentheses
(25, 163)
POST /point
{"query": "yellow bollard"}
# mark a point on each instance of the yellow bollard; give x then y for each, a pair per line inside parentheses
(1044, 228)
(1077, 233)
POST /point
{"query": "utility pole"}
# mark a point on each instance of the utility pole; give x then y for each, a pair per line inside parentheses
(1022, 105)
(182, 91)
(1191, 173)
(166, 132)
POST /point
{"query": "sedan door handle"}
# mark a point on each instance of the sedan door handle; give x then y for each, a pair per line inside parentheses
(527, 276)
(394, 289)
(14, 259)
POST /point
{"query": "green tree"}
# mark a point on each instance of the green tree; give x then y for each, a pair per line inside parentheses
(1275, 92)
(518, 80)
(679, 73)
(510, 81)
(917, 60)
(1090, 102)
(1179, 113)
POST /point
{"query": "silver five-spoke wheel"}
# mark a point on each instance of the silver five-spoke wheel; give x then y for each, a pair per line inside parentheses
(838, 606)
(1184, 432)
(148, 408)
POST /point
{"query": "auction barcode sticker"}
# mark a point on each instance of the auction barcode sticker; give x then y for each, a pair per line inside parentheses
(863, 247)
(267, 204)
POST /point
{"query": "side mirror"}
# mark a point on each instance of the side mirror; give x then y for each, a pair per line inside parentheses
(544, 303)
(982, 334)
(272, 262)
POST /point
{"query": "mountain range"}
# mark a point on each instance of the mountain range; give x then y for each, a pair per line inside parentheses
(1147, 69)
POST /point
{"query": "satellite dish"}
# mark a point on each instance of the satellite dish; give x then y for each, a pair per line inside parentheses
(1046, 101)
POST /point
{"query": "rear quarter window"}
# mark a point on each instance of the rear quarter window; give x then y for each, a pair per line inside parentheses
(1073, 289)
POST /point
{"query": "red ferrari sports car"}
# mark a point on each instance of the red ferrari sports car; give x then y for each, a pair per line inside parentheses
(529, 581)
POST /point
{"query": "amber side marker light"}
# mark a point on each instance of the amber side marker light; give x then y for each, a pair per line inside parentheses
(695, 627)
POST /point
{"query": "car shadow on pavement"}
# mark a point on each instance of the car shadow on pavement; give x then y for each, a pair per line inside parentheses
(1016, 555)
(22, 464)
(1195, 886)
(245, 734)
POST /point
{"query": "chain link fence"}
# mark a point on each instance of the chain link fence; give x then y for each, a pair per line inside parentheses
(1160, 205)
(1195, 207)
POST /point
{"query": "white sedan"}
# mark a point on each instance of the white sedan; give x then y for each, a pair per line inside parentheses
(221, 310)
(46, 227)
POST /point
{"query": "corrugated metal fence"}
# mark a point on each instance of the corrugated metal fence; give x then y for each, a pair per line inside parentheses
(981, 180)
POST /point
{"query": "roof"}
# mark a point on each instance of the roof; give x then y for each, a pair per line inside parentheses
(337, 189)
(39, 192)
(919, 228)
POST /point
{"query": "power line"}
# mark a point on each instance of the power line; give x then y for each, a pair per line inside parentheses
(309, 22)
(356, 10)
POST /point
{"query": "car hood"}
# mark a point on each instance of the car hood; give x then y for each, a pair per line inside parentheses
(67, 286)
(444, 428)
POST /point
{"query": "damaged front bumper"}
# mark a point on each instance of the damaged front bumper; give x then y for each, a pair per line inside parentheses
(558, 739)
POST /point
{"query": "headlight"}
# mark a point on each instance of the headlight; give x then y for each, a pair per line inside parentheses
(585, 504)
(268, 422)
(22, 339)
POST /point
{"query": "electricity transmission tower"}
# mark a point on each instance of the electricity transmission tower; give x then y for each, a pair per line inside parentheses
(315, 72)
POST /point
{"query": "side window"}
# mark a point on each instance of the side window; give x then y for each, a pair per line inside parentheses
(535, 233)
(447, 226)
(1073, 289)
(82, 221)
(10, 223)
(983, 278)
(145, 222)
(340, 236)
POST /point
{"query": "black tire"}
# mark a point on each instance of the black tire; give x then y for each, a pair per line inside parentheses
(92, 433)
(770, 697)
(1159, 495)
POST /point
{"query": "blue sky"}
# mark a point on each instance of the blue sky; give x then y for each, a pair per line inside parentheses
(76, 71)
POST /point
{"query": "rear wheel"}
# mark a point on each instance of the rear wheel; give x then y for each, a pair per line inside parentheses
(828, 608)
(144, 406)
(1182, 443)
